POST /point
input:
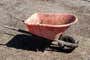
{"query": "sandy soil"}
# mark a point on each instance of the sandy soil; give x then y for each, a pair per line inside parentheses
(13, 11)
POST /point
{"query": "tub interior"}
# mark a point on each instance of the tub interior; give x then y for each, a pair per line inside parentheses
(51, 19)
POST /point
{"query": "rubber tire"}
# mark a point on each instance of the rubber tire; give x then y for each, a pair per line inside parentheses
(70, 40)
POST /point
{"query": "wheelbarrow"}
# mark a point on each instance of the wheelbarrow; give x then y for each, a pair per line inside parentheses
(51, 26)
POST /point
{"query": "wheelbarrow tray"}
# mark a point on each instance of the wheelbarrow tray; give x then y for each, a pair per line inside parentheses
(49, 25)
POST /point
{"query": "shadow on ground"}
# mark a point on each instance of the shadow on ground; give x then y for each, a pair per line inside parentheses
(33, 43)
(28, 43)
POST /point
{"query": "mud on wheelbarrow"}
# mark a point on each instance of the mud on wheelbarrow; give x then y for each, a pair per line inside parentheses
(51, 26)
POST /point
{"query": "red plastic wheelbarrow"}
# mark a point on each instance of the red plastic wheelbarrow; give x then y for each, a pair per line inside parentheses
(52, 26)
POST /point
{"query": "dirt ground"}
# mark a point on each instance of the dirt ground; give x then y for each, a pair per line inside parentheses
(13, 11)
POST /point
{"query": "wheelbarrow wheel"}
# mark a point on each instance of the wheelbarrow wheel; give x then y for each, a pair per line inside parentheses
(68, 43)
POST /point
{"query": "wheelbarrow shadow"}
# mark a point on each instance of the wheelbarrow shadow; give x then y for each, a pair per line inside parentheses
(60, 49)
(27, 42)
(33, 43)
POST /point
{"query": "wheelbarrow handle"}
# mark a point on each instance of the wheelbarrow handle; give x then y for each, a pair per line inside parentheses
(16, 29)
(10, 27)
